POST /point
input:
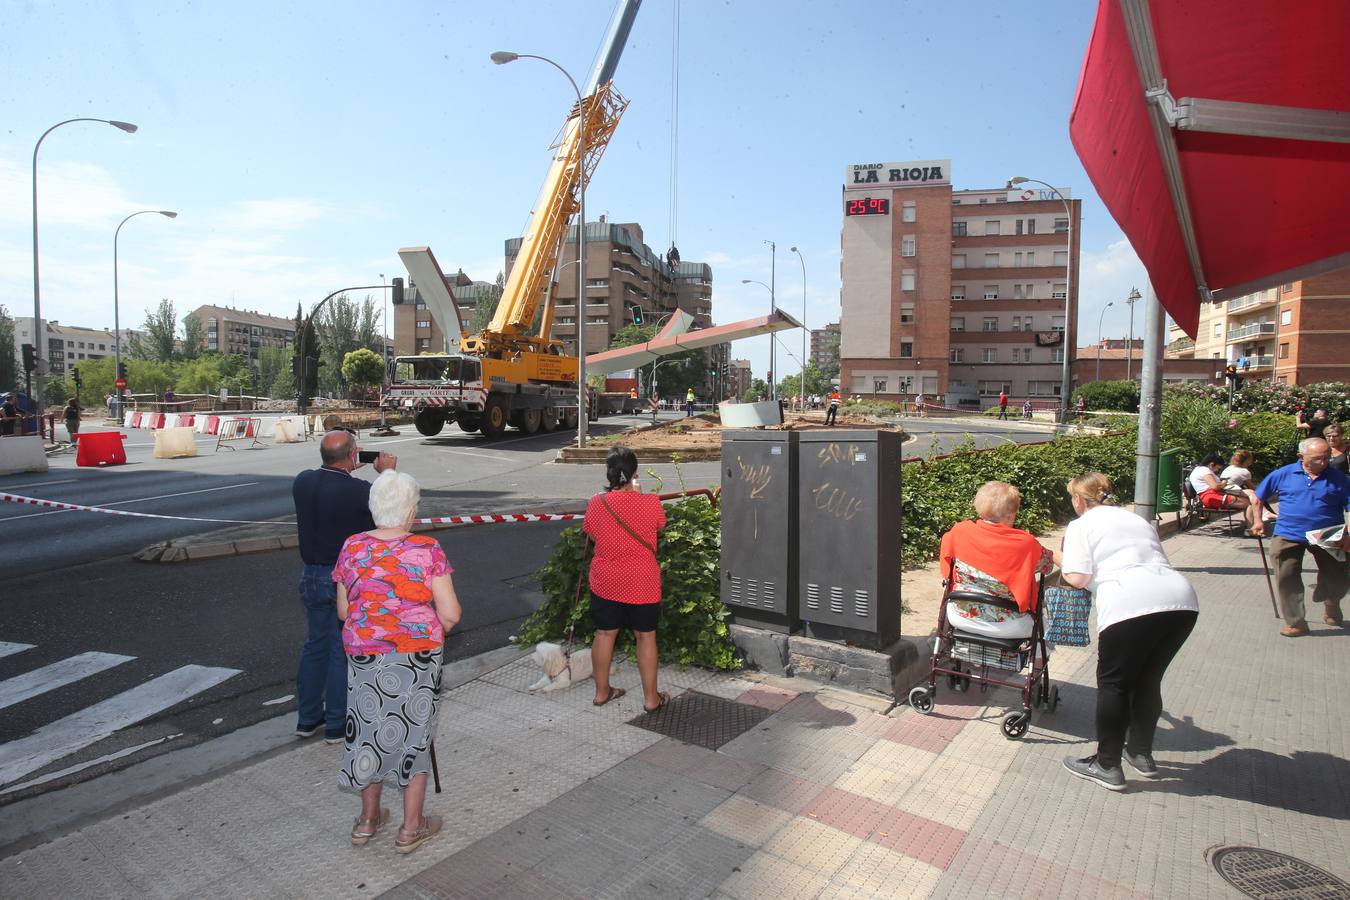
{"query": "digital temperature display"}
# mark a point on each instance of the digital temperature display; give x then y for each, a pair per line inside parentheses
(868, 206)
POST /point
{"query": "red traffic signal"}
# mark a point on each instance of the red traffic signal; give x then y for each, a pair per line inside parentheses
(120, 384)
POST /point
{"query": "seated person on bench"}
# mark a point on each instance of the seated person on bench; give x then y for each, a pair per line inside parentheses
(988, 555)
(1212, 491)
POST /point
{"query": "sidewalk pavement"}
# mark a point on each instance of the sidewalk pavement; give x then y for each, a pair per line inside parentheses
(825, 794)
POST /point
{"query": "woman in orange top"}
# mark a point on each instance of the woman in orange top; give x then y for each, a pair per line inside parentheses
(987, 555)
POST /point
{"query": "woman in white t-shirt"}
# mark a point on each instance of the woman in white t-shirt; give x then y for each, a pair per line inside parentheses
(1145, 612)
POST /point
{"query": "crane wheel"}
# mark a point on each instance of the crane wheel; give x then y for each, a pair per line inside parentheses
(530, 420)
(569, 418)
(495, 417)
(429, 423)
(548, 420)
(470, 423)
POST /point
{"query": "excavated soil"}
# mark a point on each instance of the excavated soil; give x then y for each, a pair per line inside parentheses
(705, 432)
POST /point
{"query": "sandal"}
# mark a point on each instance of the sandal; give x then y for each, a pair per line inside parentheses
(361, 837)
(614, 694)
(662, 698)
(408, 842)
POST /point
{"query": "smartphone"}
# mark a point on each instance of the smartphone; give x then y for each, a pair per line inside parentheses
(367, 456)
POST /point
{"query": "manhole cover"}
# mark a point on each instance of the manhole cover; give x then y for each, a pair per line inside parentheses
(702, 719)
(1267, 874)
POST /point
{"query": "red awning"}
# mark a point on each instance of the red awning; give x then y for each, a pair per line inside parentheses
(1218, 136)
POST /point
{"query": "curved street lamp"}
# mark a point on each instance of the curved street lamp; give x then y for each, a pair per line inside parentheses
(117, 322)
(1099, 339)
(38, 335)
(501, 58)
(1064, 387)
(1129, 346)
(772, 306)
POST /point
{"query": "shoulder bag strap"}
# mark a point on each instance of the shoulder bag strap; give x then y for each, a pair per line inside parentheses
(624, 525)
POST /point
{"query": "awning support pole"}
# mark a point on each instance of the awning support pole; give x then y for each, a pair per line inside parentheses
(1150, 412)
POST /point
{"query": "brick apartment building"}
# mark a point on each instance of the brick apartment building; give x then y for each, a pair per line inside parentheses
(243, 332)
(954, 293)
(738, 377)
(825, 347)
(1294, 334)
(1112, 359)
(621, 272)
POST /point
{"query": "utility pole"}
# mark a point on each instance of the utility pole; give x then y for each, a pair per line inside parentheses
(773, 308)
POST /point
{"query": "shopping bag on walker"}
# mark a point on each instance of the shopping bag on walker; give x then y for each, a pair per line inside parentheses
(1067, 609)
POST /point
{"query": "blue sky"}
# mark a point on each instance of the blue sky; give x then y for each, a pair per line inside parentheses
(304, 143)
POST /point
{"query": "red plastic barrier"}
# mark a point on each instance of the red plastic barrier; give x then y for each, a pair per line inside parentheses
(251, 429)
(185, 421)
(101, 448)
(212, 424)
(156, 420)
(136, 420)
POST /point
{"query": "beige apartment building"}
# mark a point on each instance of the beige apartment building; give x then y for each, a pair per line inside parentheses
(1296, 333)
(243, 332)
(66, 346)
(956, 293)
(825, 347)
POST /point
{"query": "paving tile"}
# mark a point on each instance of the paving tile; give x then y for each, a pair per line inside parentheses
(876, 871)
(706, 765)
(691, 863)
(767, 877)
(149, 848)
(674, 791)
(70, 866)
(783, 790)
(931, 732)
(886, 786)
(814, 846)
(745, 820)
(771, 698)
(904, 760)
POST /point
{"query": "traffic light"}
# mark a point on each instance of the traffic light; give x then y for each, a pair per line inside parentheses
(297, 366)
(1231, 373)
(637, 315)
(75, 376)
(121, 370)
(29, 357)
(398, 292)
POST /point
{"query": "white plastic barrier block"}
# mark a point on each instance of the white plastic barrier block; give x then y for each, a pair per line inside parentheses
(22, 453)
(126, 422)
(171, 420)
(174, 443)
(286, 432)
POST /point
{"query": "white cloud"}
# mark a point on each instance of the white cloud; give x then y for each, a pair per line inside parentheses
(272, 215)
(70, 194)
(1107, 275)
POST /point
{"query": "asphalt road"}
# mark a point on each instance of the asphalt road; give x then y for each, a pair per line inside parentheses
(240, 613)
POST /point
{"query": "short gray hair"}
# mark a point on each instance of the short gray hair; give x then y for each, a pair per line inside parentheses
(393, 498)
(1306, 444)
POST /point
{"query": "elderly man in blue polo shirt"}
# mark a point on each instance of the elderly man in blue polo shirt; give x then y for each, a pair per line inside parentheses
(330, 506)
(1312, 496)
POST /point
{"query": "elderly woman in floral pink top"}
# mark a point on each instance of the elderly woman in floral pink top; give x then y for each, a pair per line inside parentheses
(396, 600)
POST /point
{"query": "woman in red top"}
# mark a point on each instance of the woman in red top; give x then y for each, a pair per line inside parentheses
(625, 576)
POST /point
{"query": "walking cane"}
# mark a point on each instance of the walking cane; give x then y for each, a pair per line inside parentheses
(435, 769)
(1265, 567)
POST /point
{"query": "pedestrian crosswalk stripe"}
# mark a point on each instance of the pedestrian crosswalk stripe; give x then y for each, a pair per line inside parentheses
(7, 649)
(94, 723)
(58, 674)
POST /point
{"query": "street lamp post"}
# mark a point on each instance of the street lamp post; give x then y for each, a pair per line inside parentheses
(1099, 339)
(39, 336)
(384, 430)
(501, 58)
(1129, 344)
(801, 388)
(117, 322)
(1064, 387)
(302, 372)
(773, 307)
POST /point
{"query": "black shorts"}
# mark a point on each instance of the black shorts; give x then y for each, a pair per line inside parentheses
(611, 615)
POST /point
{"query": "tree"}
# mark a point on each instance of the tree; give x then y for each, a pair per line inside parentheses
(342, 327)
(160, 327)
(274, 372)
(194, 337)
(9, 370)
(55, 390)
(757, 390)
(817, 382)
(306, 335)
(363, 369)
(485, 306)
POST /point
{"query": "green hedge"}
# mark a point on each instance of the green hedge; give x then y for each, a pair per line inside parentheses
(1115, 396)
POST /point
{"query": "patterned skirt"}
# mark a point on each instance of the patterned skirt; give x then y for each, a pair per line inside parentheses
(391, 717)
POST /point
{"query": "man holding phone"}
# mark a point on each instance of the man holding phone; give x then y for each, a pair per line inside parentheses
(330, 506)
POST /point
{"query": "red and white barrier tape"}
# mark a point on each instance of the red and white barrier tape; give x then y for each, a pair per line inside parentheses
(480, 519)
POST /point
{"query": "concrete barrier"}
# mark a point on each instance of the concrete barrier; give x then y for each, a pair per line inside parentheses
(22, 454)
(174, 443)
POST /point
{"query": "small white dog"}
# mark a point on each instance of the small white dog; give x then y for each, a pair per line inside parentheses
(557, 671)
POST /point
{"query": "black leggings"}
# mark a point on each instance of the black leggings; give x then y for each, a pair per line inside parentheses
(1132, 657)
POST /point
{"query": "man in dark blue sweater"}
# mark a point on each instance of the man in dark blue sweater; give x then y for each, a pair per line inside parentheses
(330, 506)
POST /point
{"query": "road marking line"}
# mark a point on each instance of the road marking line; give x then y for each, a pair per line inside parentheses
(7, 649)
(140, 500)
(93, 723)
(80, 767)
(58, 674)
(278, 700)
(15, 487)
(480, 453)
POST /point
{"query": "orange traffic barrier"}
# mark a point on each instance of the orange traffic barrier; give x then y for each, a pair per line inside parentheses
(100, 448)
(212, 424)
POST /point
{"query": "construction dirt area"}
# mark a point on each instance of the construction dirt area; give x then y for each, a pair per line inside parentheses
(704, 432)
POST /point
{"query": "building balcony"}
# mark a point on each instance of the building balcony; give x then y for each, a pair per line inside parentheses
(1255, 363)
(1006, 273)
(1265, 298)
(1182, 346)
(1256, 329)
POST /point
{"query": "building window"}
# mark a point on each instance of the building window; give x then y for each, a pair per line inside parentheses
(958, 229)
(955, 354)
(1059, 291)
(991, 226)
(424, 343)
(958, 292)
(1287, 317)
(906, 349)
(879, 385)
(423, 323)
(1031, 291)
(906, 313)
(907, 245)
(1017, 260)
(1017, 323)
(991, 260)
(1061, 226)
(1061, 257)
(958, 323)
(958, 260)
(907, 212)
(990, 323)
(1019, 226)
(1284, 351)
(1288, 288)
(597, 283)
(1031, 226)
(1056, 354)
(1056, 323)
(421, 305)
(1031, 257)
(907, 280)
(989, 354)
(991, 292)
(1218, 329)
(1017, 292)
